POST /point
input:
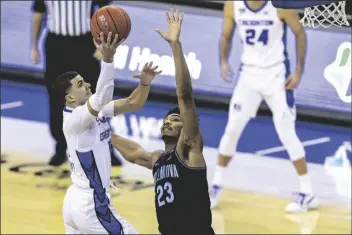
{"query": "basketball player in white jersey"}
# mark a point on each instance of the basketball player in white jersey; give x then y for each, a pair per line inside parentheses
(264, 74)
(87, 205)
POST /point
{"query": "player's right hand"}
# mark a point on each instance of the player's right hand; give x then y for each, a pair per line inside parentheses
(226, 72)
(108, 47)
(35, 56)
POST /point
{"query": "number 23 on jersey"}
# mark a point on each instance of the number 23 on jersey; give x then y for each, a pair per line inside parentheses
(165, 194)
(257, 36)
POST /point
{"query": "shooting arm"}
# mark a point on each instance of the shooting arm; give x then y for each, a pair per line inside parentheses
(133, 152)
(39, 9)
(184, 96)
(291, 17)
(84, 115)
(227, 32)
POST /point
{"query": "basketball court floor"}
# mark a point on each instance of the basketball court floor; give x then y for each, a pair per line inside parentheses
(32, 193)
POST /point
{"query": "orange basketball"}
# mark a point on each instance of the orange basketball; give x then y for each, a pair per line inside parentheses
(110, 19)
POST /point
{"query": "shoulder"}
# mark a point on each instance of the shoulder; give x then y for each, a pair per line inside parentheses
(285, 13)
(155, 155)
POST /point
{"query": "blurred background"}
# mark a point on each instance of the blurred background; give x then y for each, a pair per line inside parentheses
(324, 118)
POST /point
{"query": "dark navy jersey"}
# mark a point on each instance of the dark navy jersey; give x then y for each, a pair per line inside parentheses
(181, 197)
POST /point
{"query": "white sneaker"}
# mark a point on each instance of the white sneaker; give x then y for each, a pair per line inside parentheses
(214, 194)
(302, 203)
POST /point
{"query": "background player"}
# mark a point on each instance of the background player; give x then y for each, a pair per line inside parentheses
(87, 208)
(262, 74)
(181, 188)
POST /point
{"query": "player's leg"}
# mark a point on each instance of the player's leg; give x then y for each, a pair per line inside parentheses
(281, 103)
(97, 216)
(67, 210)
(244, 105)
(127, 227)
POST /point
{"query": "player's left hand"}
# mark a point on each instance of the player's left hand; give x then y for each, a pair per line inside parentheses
(148, 74)
(293, 81)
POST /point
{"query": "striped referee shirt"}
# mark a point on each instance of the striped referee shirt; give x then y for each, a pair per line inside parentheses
(68, 17)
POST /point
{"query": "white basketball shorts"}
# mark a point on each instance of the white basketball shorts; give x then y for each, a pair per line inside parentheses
(84, 212)
(254, 85)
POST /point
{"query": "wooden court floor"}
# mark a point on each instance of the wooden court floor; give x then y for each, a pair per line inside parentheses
(32, 195)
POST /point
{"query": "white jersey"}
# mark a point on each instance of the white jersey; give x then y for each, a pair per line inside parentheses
(88, 143)
(263, 36)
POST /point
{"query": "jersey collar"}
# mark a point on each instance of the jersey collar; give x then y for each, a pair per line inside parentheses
(68, 109)
(255, 10)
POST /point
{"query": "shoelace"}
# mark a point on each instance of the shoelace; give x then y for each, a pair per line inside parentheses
(301, 198)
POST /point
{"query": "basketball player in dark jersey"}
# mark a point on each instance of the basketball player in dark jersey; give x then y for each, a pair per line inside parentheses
(181, 188)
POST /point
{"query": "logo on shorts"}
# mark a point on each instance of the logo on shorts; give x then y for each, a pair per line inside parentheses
(237, 107)
(339, 74)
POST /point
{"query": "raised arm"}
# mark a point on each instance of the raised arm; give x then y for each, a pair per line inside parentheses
(191, 134)
(185, 95)
(84, 115)
(133, 152)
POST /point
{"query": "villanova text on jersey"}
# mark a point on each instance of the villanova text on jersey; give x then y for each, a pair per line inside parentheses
(166, 171)
(181, 197)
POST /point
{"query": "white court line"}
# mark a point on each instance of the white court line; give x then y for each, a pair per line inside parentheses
(282, 148)
(11, 105)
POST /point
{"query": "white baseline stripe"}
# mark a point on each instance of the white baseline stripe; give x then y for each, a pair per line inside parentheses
(282, 148)
(11, 105)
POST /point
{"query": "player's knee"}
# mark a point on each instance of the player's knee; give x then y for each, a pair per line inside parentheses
(286, 131)
(233, 131)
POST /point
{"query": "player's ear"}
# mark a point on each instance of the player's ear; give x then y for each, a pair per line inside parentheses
(70, 99)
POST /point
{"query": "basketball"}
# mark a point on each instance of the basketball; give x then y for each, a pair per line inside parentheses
(110, 19)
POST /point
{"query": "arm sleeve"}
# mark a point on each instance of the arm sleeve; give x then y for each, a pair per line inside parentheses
(105, 87)
(79, 120)
(109, 109)
(39, 6)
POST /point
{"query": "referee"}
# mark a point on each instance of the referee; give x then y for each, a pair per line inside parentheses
(68, 46)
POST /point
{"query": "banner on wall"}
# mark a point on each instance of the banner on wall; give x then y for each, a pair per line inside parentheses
(200, 38)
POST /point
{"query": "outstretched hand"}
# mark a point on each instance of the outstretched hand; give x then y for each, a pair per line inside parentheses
(108, 47)
(148, 74)
(174, 22)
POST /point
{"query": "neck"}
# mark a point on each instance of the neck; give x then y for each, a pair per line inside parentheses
(72, 105)
(170, 142)
(255, 4)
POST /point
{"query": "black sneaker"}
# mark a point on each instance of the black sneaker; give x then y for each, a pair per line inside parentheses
(58, 160)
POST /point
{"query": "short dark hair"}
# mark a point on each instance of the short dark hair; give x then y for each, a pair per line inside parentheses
(62, 84)
(175, 110)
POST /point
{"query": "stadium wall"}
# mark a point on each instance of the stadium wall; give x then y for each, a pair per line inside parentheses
(317, 100)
